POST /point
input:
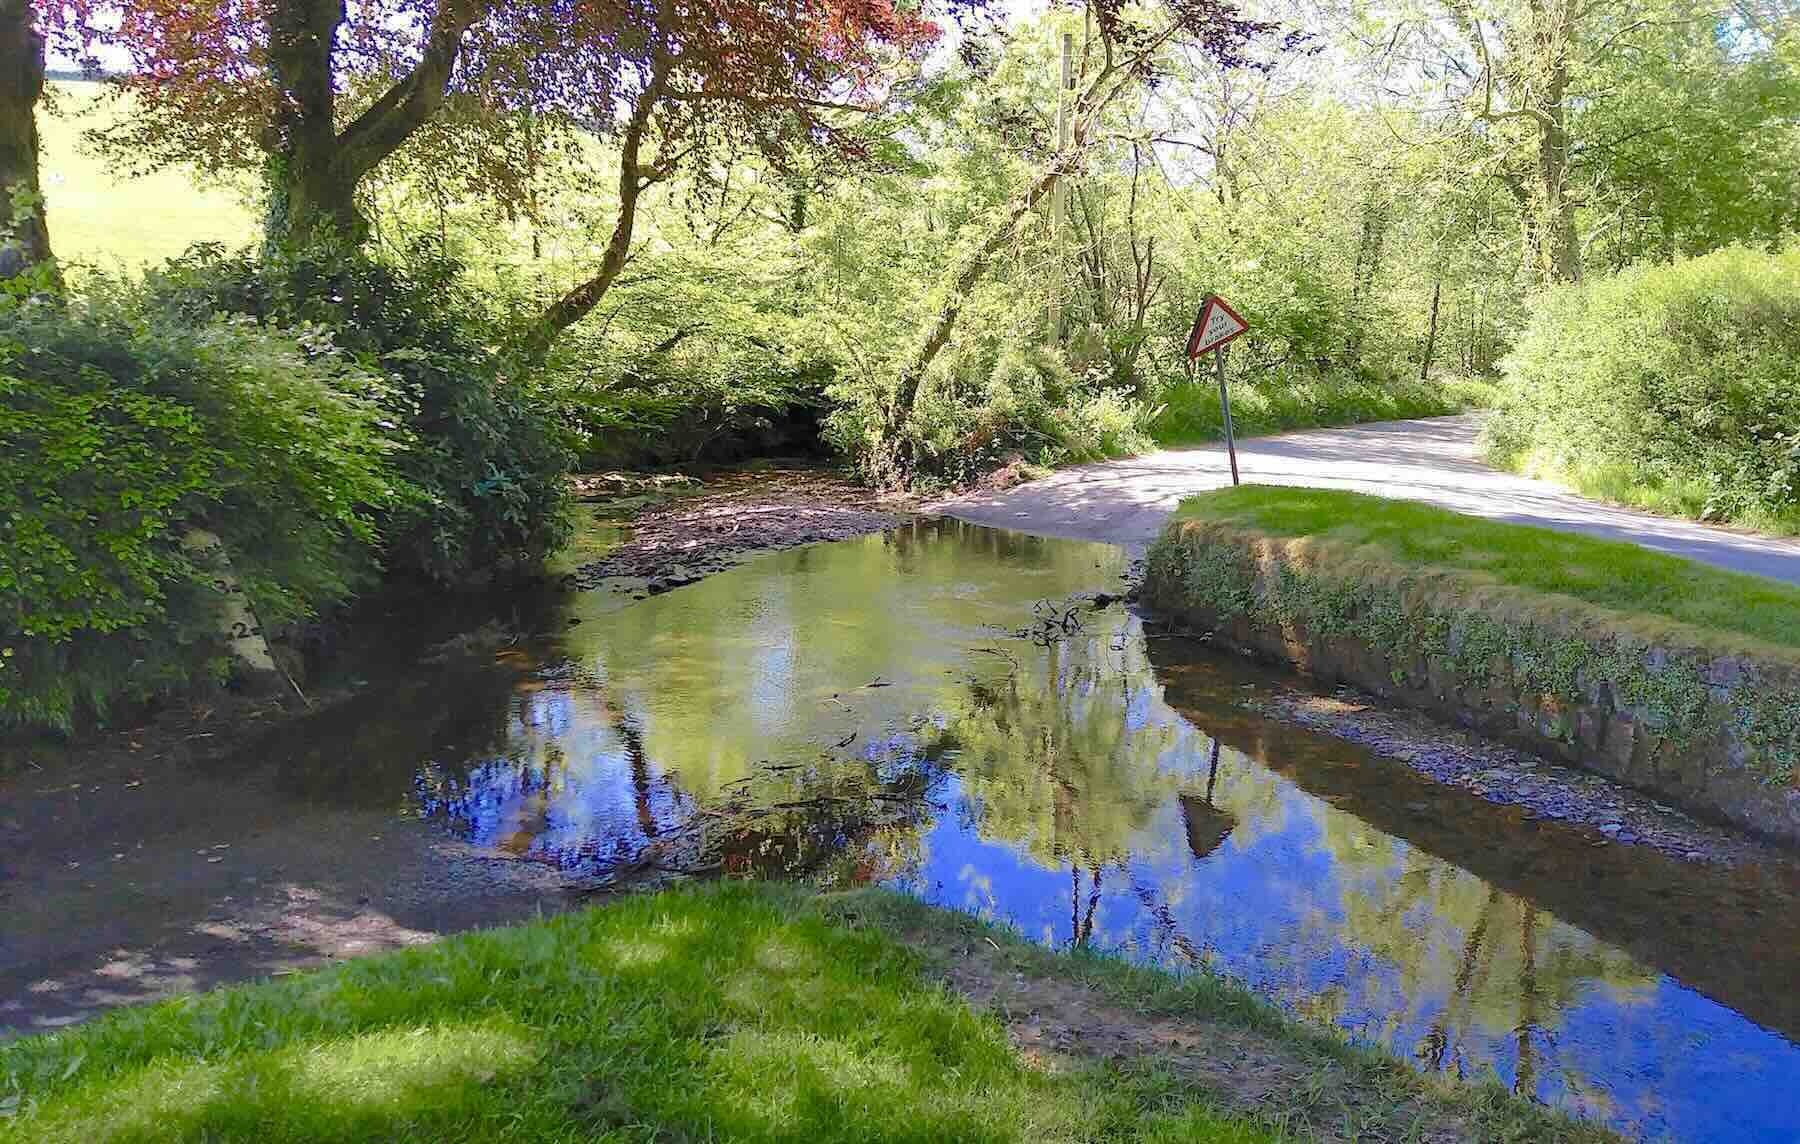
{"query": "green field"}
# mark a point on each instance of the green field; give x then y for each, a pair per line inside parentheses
(1609, 573)
(101, 219)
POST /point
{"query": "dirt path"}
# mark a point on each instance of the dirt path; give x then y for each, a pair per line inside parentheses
(1434, 460)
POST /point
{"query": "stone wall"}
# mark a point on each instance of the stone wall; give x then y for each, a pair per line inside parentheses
(1699, 718)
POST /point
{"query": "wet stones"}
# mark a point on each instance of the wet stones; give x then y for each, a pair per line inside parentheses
(1505, 775)
(681, 534)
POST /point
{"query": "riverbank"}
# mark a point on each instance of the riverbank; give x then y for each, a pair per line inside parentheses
(755, 1013)
(675, 531)
(1680, 680)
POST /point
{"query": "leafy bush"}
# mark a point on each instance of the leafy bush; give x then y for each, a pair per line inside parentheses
(1278, 400)
(1674, 386)
(119, 431)
(974, 414)
(629, 399)
(488, 464)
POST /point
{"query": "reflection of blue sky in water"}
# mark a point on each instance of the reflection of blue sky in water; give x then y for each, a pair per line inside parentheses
(1077, 767)
(1661, 1058)
(1658, 1056)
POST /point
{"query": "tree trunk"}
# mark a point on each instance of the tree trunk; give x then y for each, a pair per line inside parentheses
(313, 168)
(1437, 292)
(938, 336)
(24, 237)
(310, 197)
(1557, 248)
(1368, 267)
(634, 179)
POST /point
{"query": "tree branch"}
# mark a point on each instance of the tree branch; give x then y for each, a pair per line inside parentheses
(405, 107)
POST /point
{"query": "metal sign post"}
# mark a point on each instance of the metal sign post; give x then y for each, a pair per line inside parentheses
(1215, 325)
(1225, 404)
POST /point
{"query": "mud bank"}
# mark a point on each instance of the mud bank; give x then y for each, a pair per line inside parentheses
(673, 533)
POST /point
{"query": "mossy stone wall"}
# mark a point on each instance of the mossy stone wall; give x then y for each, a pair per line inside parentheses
(1703, 719)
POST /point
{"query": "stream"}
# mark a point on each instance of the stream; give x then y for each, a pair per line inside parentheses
(940, 709)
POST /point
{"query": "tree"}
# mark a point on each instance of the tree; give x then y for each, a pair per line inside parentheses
(712, 80)
(317, 93)
(229, 87)
(1628, 126)
(24, 237)
(1124, 48)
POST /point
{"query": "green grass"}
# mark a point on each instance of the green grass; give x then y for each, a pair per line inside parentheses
(1611, 574)
(1670, 495)
(733, 1012)
(1337, 1088)
(101, 218)
(1190, 413)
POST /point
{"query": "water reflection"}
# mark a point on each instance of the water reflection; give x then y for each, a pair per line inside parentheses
(849, 713)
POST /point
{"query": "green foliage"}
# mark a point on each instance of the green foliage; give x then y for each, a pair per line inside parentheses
(1671, 386)
(987, 405)
(1281, 400)
(485, 462)
(120, 430)
(732, 1012)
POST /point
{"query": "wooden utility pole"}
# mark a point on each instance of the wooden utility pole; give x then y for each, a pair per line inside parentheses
(1058, 193)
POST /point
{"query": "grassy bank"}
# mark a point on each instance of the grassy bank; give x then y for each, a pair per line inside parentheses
(732, 1013)
(1670, 676)
(1621, 484)
(1190, 414)
(1611, 574)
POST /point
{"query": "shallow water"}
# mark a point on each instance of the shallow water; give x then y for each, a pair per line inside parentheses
(893, 710)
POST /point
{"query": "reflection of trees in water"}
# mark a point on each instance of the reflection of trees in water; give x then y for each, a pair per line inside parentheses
(1072, 761)
(1051, 763)
(566, 781)
(772, 659)
(1487, 961)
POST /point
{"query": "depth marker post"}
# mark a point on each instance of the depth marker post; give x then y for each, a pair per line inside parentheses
(1215, 325)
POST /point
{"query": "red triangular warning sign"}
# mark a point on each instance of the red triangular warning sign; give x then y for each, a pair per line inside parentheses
(1217, 324)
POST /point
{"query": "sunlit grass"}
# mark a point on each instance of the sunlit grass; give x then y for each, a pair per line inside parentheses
(1612, 574)
(98, 216)
(1673, 495)
(734, 1013)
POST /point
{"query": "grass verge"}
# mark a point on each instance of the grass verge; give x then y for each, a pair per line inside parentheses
(733, 1013)
(1672, 495)
(727, 1012)
(1190, 414)
(1607, 573)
